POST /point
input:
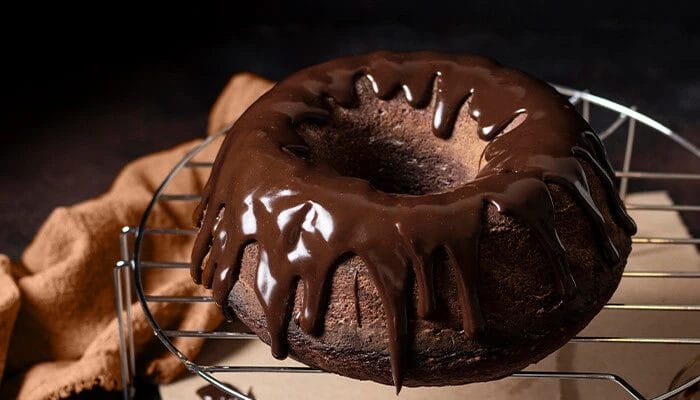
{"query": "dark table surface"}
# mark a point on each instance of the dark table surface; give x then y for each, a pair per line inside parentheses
(85, 100)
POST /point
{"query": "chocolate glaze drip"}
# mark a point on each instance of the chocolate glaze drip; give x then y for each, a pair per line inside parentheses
(305, 216)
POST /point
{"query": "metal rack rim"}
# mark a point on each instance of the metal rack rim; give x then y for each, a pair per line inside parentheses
(135, 264)
(139, 284)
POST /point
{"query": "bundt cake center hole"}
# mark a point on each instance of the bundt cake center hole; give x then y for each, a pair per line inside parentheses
(391, 166)
(391, 145)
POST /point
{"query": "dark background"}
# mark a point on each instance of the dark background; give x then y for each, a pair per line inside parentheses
(87, 89)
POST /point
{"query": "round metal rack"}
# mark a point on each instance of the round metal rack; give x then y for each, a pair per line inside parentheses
(129, 270)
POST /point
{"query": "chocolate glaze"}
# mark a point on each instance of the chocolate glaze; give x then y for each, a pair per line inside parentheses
(305, 216)
(211, 392)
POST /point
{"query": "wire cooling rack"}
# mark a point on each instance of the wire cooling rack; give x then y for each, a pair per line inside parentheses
(128, 273)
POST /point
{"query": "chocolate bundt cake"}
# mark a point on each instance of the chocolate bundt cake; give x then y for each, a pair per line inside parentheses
(412, 219)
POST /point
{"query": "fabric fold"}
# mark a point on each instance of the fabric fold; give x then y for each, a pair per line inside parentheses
(58, 327)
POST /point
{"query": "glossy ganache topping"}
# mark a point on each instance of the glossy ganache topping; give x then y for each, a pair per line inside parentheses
(305, 216)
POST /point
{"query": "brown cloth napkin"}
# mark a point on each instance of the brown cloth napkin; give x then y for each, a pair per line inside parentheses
(58, 327)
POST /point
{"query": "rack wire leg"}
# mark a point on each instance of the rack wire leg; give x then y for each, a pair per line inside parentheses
(122, 299)
(127, 383)
(628, 156)
(126, 256)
